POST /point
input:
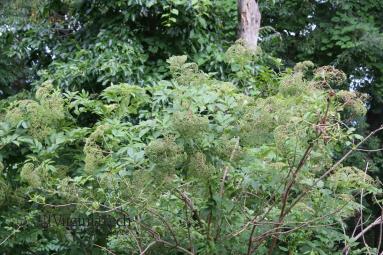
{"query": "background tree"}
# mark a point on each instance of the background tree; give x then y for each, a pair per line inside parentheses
(346, 34)
(250, 22)
(89, 44)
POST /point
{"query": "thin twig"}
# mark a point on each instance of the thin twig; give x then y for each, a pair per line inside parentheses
(148, 247)
(9, 236)
(105, 249)
(366, 150)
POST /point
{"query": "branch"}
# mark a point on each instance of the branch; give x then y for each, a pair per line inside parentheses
(226, 170)
(378, 221)
(328, 172)
(190, 205)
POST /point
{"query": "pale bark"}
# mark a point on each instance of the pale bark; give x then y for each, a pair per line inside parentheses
(250, 22)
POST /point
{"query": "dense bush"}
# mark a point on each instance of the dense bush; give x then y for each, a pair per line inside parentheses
(201, 166)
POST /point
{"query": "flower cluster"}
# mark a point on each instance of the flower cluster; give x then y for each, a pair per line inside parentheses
(329, 77)
(352, 105)
(190, 125)
(93, 150)
(3, 191)
(41, 117)
(165, 153)
(31, 175)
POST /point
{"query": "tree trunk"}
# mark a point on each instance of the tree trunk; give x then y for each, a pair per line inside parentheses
(250, 22)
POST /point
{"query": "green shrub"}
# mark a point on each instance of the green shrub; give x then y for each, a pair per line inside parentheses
(202, 165)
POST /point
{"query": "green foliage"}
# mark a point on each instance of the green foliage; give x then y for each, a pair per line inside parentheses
(254, 71)
(193, 160)
(224, 155)
(104, 60)
(304, 66)
(357, 179)
(89, 45)
(130, 98)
